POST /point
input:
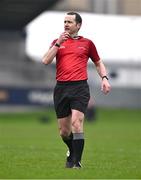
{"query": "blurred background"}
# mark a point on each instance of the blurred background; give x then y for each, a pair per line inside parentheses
(28, 27)
(30, 147)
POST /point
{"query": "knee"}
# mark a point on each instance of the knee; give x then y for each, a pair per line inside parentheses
(77, 124)
(64, 132)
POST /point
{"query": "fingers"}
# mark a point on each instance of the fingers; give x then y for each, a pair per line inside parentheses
(105, 88)
(63, 37)
(66, 34)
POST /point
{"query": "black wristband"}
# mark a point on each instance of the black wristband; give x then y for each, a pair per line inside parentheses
(104, 77)
(57, 45)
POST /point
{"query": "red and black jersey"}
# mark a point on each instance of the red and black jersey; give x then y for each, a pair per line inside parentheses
(72, 58)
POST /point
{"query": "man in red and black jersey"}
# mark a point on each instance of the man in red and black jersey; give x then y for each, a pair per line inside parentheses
(71, 93)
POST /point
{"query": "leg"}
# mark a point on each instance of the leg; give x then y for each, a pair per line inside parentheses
(66, 100)
(65, 126)
(78, 136)
(77, 121)
(67, 136)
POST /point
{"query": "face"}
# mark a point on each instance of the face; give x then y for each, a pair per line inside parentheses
(70, 24)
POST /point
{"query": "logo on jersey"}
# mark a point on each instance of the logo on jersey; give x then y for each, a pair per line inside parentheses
(81, 47)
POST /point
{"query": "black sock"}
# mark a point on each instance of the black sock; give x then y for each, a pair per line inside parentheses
(78, 146)
(68, 142)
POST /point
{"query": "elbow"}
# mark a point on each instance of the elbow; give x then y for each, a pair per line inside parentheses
(45, 61)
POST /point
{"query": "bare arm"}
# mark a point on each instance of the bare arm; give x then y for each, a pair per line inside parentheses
(101, 69)
(51, 53)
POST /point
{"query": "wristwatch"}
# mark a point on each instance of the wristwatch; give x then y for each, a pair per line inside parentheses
(57, 45)
(104, 77)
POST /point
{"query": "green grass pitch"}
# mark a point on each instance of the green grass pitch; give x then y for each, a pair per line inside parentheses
(32, 149)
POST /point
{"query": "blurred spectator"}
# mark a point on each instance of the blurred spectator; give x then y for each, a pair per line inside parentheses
(91, 110)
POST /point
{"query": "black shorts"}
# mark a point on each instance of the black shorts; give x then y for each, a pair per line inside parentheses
(71, 95)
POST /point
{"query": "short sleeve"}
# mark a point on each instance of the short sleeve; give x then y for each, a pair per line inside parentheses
(93, 54)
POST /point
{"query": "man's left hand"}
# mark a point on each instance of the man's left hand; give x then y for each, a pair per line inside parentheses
(105, 86)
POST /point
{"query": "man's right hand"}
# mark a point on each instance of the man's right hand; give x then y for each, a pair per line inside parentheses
(63, 37)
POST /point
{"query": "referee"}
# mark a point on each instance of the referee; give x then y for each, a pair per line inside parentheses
(71, 93)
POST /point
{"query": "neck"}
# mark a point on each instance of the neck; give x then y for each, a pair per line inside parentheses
(74, 35)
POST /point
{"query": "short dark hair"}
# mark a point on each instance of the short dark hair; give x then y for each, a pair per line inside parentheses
(78, 18)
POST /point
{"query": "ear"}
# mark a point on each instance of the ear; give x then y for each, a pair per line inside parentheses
(79, 25)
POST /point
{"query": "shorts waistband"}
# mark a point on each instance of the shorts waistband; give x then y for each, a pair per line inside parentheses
(71, 82)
